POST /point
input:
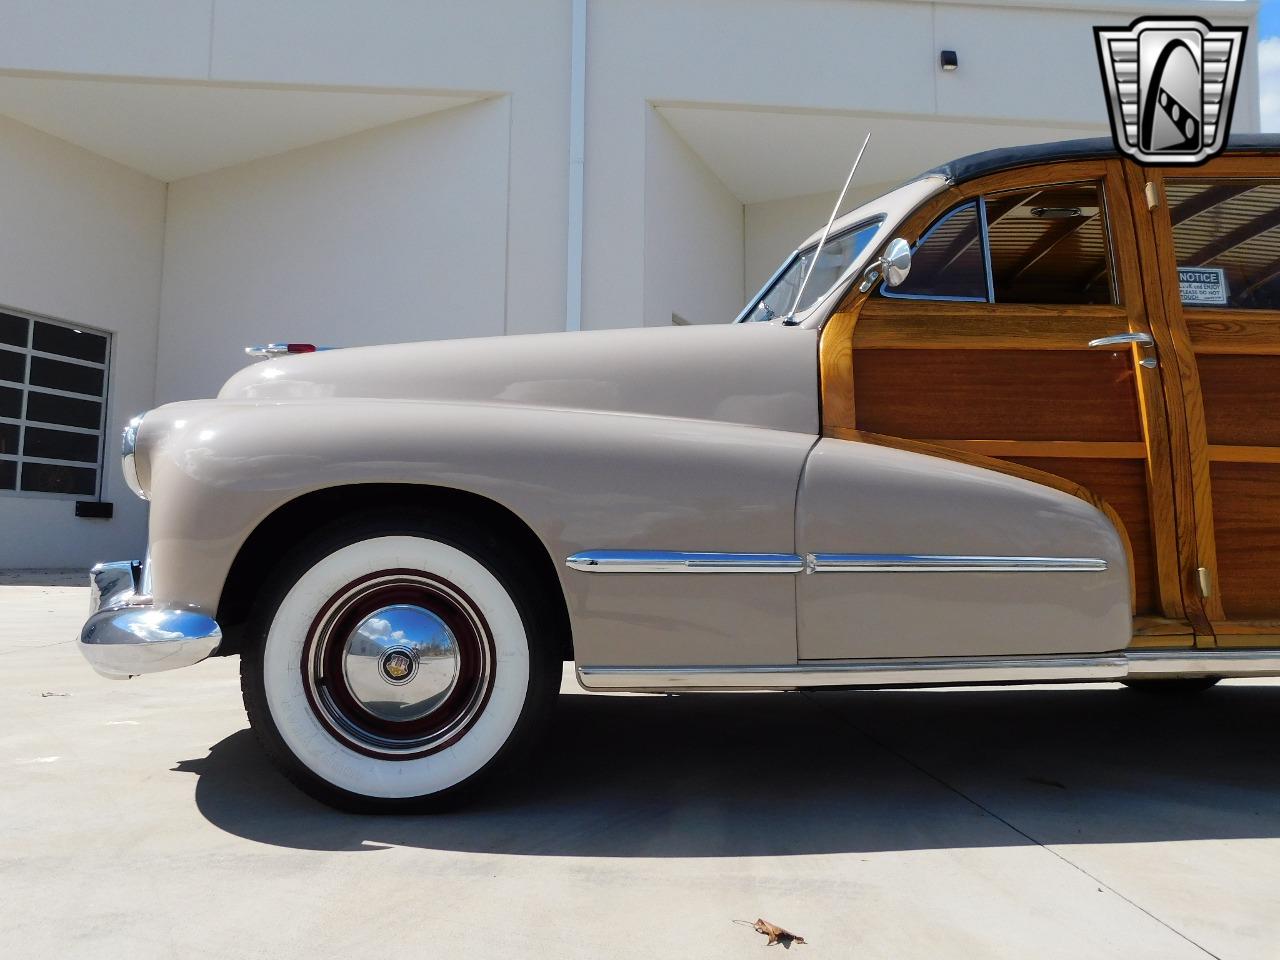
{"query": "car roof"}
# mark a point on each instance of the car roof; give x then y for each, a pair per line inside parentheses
(1008, 158)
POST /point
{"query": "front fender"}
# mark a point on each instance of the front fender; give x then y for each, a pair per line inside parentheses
(580, 480)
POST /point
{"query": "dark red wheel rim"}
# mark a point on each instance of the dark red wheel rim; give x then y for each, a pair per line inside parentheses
(398, 694)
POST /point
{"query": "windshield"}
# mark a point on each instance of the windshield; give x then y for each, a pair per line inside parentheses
(838, 252)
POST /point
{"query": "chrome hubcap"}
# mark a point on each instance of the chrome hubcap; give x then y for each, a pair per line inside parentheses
(400, 662)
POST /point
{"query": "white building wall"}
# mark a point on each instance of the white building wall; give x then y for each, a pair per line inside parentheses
(715, 133)
(693, 235)
(514, 47)
(394, 234)
(80, 241)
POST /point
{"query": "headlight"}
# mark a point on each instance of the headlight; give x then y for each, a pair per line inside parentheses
(127, 446)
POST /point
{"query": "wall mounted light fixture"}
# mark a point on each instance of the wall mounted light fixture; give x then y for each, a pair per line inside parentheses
(949, 60)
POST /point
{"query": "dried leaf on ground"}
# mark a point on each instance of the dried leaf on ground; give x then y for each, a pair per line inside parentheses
(776, 934)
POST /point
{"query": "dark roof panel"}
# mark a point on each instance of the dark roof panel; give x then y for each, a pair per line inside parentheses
(1007, 158)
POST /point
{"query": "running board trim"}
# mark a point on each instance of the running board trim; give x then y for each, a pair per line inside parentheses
(936, 670)
(845, 673)
(1204, 663)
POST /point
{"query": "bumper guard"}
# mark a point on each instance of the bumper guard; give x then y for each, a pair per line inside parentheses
(128, 634)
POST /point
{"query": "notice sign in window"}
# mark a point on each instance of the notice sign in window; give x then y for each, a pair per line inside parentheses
(1203, 285)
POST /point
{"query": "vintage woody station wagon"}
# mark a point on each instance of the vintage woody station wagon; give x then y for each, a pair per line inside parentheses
(1038, 440)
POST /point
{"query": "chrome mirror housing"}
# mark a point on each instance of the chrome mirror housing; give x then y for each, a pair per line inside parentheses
(897, 262)
(893, 265)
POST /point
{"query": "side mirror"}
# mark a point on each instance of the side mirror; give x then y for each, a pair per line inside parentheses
(893, 265)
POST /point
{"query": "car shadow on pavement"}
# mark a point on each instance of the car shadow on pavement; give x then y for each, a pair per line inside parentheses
(735, 775)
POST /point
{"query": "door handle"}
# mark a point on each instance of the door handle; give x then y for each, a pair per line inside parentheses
(1124, 339)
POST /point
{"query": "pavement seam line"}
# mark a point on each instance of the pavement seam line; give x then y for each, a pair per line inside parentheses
(995, 816)
(37, 646)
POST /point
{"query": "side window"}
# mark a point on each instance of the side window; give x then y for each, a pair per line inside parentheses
(1040, 245)
(1226, 234)
(840, 250)
(1049, 245)
(948, 262)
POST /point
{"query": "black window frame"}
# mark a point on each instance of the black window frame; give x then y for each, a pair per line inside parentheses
(19, 457)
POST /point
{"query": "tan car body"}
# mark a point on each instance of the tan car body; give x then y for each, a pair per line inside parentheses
(694, 439)
(889, 565)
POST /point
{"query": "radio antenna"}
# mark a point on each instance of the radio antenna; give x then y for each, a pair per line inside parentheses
(834, 210)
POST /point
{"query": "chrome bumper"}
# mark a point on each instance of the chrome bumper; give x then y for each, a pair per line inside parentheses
(127, 634)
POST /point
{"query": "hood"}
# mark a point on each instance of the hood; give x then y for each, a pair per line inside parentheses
(755, 374)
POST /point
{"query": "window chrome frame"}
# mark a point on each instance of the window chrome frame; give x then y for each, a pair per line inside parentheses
(879, 220)
(743, 317)
(980, 203)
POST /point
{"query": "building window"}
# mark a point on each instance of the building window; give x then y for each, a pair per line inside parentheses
(53, 389)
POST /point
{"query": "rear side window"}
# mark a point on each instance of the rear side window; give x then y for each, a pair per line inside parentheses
(1038, 245)
(1226, 235)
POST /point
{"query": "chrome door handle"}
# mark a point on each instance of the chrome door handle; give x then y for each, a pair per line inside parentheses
(1124, 339)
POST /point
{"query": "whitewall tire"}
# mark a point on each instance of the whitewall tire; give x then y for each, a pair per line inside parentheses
(395, 668)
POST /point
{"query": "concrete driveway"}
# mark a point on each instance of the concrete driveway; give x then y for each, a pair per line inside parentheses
(141, 820)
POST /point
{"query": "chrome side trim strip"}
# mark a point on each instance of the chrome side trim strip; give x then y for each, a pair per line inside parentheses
(913, 563)
(1226, 663)
(676, 561)
(848, 673)
(1136, 664)
(679, 561)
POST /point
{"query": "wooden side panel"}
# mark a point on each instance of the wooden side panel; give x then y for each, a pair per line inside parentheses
(1223, 214)
(1246, 519)
(1123, 484)
(996, 394)
(1241, 400)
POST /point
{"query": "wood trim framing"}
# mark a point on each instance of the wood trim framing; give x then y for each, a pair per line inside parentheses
(1225, 453)
(1254, 333)
(1160, 463)
(1001, 326)
(1094, 449)
(1248, 633)
(1186, 432)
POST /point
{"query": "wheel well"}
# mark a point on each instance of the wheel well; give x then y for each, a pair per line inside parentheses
(292, 521)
